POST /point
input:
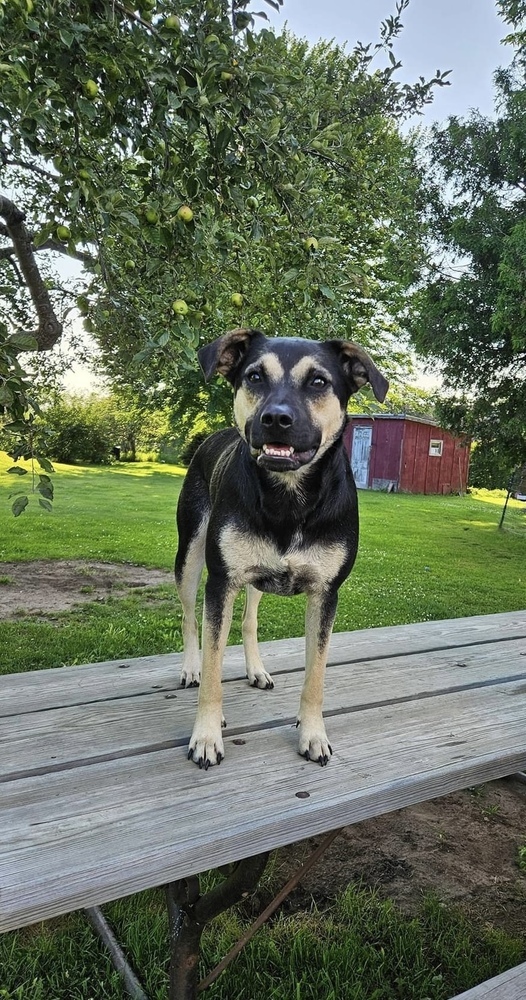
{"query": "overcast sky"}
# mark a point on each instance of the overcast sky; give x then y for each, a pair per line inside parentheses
(461, 35)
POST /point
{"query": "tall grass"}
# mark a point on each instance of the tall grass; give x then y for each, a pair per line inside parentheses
(360, 948)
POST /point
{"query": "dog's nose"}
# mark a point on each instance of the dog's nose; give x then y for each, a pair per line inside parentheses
(277, 416)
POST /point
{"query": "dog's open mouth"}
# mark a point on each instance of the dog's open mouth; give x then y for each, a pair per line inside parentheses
(283, 456)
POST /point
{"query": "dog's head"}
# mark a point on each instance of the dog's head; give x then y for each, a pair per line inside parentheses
(291, 394)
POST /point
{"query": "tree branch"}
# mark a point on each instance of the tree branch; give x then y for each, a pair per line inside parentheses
(137, 18)
(49, 327)
(58, 247)
(26, 165)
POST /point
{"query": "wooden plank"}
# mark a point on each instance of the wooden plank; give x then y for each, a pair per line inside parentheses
(122, 678)
(36, 741)
(510, 985)
(85, 836)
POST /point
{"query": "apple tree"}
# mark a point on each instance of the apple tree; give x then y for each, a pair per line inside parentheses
(199, 173)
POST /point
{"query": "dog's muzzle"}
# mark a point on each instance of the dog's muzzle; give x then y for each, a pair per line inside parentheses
(277, 442)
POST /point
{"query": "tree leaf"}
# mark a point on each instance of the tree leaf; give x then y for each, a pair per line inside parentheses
(22, 341)
(46, 505)
(16, 427)
(16, 470)
(6, 396)
(19, 505)
(45, 491)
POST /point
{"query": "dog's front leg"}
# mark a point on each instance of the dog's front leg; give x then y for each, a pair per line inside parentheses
(319, 617)
(206, 744)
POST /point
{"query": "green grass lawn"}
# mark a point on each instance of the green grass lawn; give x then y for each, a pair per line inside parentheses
(121, 513)
(420, 558)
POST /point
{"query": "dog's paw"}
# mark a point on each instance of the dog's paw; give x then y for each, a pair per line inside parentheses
(258, 678)
(313, 744)
(206, 748)
(190, 675)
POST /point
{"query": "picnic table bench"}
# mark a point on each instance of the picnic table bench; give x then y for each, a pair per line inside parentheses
(98, 800)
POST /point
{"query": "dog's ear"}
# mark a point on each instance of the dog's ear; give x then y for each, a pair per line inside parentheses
(224, 354)
(360, 368)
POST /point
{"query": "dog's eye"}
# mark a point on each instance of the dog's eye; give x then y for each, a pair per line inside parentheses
(318, 381)
(253, 377)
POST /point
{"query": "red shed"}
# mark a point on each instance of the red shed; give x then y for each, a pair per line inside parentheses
(413, 454)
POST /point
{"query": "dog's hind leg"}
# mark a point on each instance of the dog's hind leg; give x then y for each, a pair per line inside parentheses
(319, 617)
(256, 673)
(189, 565)
(206, 743)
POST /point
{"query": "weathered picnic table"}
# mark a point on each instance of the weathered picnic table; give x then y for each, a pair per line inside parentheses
(98, 800)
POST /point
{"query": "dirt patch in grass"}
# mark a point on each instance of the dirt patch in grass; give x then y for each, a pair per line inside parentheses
(464, 847)
(47, 586)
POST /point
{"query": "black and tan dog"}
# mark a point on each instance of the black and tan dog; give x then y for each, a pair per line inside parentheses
(270, 506)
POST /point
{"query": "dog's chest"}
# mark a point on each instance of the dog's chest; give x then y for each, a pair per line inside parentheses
(301, 568)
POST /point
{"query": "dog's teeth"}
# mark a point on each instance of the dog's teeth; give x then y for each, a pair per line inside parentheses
(278, 452)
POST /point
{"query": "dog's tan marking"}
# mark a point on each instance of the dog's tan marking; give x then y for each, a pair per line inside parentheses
(304, 367)
(245, 405)
(326, 413)
(247, 556)
(272, 367)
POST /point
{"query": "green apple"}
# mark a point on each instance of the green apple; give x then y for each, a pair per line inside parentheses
(151, 216)
(91, 89)
(185, 213)
(237, 300)
(311, 243)
(172, 22)
(180, 307)
(129, 265)
(225, 75)
(63, 233)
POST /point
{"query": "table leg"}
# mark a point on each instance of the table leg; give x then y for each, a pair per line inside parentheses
(189, 912)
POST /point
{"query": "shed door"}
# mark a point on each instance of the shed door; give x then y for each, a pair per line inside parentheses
(361, 450)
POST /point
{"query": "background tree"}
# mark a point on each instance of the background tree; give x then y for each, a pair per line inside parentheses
(85, 428)
(184, 160)
(470, 312)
